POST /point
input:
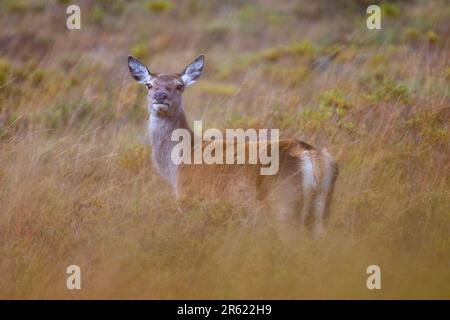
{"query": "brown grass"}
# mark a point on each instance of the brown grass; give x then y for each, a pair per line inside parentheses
(77, 186)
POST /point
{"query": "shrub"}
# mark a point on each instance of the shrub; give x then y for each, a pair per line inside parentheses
(97, 14)
(334, 100)
(429, 125)
(389, 9)
(140, 50)
(134, 158)
(218, 88)
(158, 6)
(5, 71)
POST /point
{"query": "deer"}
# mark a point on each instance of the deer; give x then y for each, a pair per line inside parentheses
(299, 194)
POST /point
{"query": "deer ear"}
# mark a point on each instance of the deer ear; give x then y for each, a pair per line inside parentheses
(193, 71)
(139, 71)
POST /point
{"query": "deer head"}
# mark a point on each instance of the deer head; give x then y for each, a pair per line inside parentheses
(165, 90)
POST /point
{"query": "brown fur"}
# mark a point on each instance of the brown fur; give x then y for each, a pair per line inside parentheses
(244, 185)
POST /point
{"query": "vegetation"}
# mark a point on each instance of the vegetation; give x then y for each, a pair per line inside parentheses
(77, 186)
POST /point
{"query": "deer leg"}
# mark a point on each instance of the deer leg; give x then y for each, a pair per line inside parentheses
(319, 207)
(323, 198)
(285, 220)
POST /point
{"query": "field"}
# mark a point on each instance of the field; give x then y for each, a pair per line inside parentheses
(77, 185)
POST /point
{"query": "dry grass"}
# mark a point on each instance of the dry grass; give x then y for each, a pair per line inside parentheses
(77, 186)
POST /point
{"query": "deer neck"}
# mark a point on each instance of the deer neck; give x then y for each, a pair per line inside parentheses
(161, 129)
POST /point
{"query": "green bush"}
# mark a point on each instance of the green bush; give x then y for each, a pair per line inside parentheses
(158, 6)
(97, 14)
(5, 71)
(141, 50)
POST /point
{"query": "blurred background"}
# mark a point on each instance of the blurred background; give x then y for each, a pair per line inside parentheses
(77, 186)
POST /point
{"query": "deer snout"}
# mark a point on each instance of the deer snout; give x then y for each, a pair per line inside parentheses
(160, 97)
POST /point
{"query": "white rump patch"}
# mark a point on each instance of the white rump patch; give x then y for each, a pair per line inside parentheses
(308, 184)
(307, 169)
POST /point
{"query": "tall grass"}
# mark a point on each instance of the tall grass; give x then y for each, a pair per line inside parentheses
(77, 185)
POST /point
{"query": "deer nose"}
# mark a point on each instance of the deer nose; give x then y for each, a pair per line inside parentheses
(160, 97)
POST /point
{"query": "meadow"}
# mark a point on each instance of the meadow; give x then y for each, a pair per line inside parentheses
(77, 185)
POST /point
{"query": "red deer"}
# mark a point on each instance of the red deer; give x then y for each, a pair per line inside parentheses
(300, 191)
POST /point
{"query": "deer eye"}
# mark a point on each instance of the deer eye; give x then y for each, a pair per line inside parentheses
(149, 85)
(179, 87)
